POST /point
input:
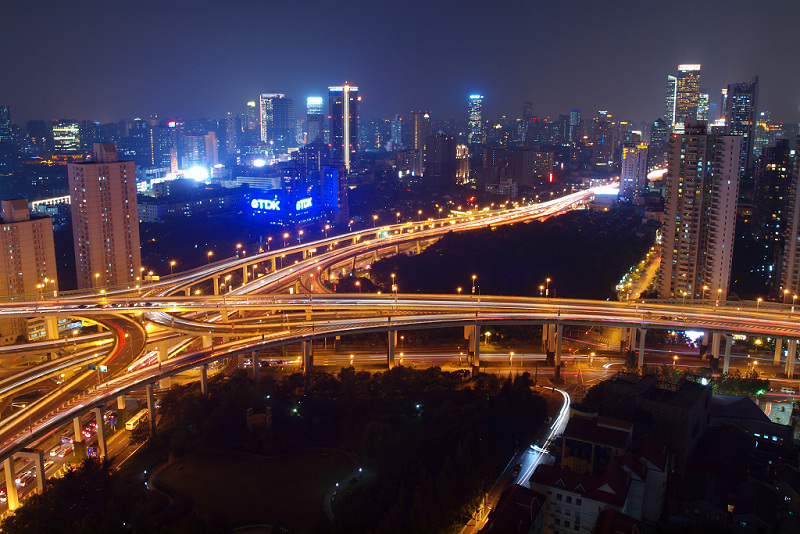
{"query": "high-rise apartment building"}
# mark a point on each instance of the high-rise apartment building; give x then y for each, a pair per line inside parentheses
(440, 160)
(740, 119)
(278, 125)
(105, 219)
(343, 103)
(669, 102)
(315, 119)
(687, 93)
(633, 178)
(5, 125)
(333, 183)
(28, 269)
(701, 189)
(421, 124)
(475, 134)
(601, 137)
(66, 137)
(790, 264)
(702, 106)
(397, 132)
(658, 151)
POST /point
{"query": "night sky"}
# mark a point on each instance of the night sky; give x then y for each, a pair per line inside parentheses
(110, 60)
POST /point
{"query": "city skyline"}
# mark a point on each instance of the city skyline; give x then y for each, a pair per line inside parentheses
(204, 62)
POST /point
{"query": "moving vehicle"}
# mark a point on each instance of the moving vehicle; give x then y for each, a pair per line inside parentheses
(136, 420)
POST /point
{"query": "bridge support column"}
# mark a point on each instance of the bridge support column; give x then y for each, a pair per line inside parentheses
(151, 409)
(208, 342)
(187, 291)
(308, 359)
(642, 336)
(778, 351)
(397, 249)
(790, 357)
(272, 264)
(51, 327)
(215, 281)
(392, 343)
(101, 432)
(80, 446)
(38, 462)
(244, 275)
(557, 339)
(163, 355)
(714, 348)
(204, 380)
(305, 253)
(11, 484)
(728, 342)
(473, 334)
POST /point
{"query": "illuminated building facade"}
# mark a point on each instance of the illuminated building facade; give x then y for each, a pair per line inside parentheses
(462, 164)
(29, 266)
(687, 92)
(343, 104)
(105, 219)
(669, 105)
(740, 119)
(658, 151)
(633, 178)
(315, 119)
(475, 135)
(421, 124)
(790, 265)
(701, 190)
(278, 127)
(66, 137)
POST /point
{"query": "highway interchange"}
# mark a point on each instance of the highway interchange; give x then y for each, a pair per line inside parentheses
(279, 299)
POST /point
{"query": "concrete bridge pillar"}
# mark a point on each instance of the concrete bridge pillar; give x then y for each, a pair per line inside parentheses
(272, 264)
(101, 432)
(204, 380)
(355, 240)
(38, 461)
(215, 281)
(121, 402)
(790, 357)
(308, 359)
(188, 291)
(151, 409)
(642, 336)
(80, 446)
(51, 327)
(419, 247)
(473, 334)
(778, 351)
(557, 340)
(11, 484)
(392, 342)
(715, 345)
(728, 343)
(305, 253)
(163, 355)
(244, 275)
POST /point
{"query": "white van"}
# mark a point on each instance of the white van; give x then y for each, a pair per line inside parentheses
(790, 391)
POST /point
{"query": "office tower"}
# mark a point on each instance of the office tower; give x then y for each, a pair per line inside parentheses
(397, 132)
(724, 103)
(421, 125)
(343, 103)
(165, 146)
(574, 125)
(669, 104)
(687, 93)
(66, 137)
(740, 119)
(5, 125)
(773, 180)
(440, 161)
(462, 164)
(701, 188)
(232, 129)
(790, 264)
(601, 137)
(333, 183)
(659, 145)
(633, 178)
(29, 267)
(475, 121)
(315, 119)
(105, 219)
(277, 121)
(702, 106)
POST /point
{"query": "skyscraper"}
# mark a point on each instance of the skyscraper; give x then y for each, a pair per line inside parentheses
(740, 119)
(333, 183)
(277, 121)
(659, 145)
(440, 160)
(66, 137)
(421, 123)
(314, 119)
(475, 126)
(105, 219)
(5, 125)
(687, 92)
(701, 188)
(669, 103)
(29, 265)
(397, 132)
(633, 178)
(790, 264)
(343, 103)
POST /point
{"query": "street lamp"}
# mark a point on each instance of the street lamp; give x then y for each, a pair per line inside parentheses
(488, 335)
(299, 236)
(238, 249)
(327, 227)
(458, 289)
(358, 285)
(758, 303)
(541, 290)
(511, 358)
(351, 360)
(398, 217)
(394, 288)
(208, 260)
(171, 266)
(794, 298)
(547, 288)
(269, 240)
(674, 360)
(719, 295)
(374, 220)
(705, 288)
(474, 276)
(285, 237)
(785, 292)
(419, 215)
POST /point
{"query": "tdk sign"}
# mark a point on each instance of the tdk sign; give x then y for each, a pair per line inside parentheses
(303, 204)
(272, 205)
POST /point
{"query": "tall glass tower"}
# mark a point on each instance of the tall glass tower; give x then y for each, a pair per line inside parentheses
(475, 128)
(343, 108)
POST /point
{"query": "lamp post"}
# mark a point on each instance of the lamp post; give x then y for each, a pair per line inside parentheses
(541, 290)
(327, 227)
(299, 236)
(285, 237)
(758, 303)
(398, 217)
(674, 360)
(208, 257)
(394, 289)
(358, 285)
(794, 298)
(419, 215)
(458, 290)
(511, 358)
(719, 295)
(474, 277)
(171, 266)
(374, 220)
(547, 288)
(238, 249)
(705, 288)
